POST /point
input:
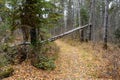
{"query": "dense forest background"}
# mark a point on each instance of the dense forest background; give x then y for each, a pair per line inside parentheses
(81, 12)
(31, 32)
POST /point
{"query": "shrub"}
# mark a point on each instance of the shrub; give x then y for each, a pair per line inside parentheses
(46, 63)
(14, 55)
(3, 60)
(46, 56)
(6, 72)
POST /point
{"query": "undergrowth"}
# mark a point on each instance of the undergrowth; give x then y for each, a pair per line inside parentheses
(46, 56)
(3, 60)
(6, 72)
(106, 63)
(46, 63)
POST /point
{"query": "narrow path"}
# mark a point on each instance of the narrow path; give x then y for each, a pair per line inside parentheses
(70, 66)
(71, 62)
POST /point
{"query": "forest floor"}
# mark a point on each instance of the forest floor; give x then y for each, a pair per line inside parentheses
(73, 63)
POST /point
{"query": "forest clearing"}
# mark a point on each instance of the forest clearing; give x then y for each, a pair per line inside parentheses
(59, 39)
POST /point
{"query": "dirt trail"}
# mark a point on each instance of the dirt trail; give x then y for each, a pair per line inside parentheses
(71, 65)
(71, 61)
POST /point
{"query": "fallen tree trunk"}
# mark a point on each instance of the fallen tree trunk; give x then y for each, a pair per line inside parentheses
(65, 33)
(58, 36)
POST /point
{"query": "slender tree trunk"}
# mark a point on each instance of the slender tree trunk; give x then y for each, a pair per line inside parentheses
(91, 20)
(81, 32)
(106, 23)
(65, 15)
(74, 16)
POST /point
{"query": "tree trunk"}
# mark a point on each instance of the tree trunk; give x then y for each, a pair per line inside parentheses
(32, 20)
(106, 23)
(33, 36)
(91, 20)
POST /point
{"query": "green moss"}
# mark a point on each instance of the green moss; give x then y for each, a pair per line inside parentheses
(6, 72)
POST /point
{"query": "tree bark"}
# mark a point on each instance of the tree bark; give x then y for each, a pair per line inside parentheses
(106, 23)
(65, 33)
(91, 20)
(33, 36)
(32, 20)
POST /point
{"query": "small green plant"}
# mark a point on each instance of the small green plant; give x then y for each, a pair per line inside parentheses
(46, 63)
(6, 72)
(3, 60)
(46, 56)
